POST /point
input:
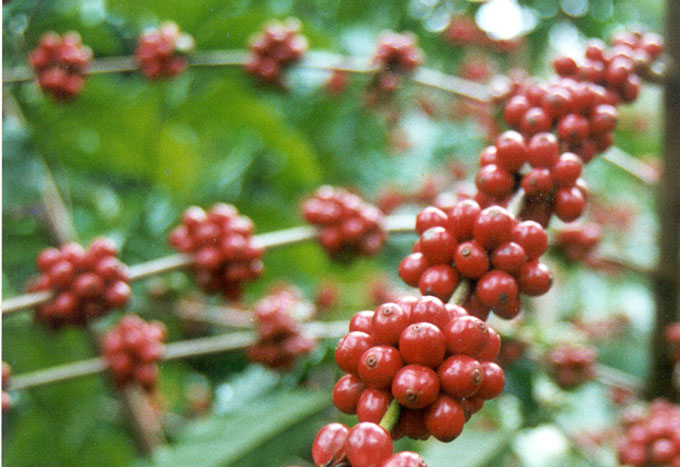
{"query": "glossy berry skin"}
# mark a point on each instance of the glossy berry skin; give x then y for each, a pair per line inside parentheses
(415, 386)
(493, 381)
(423, 344)
(428, 218)
(412, 424)
(350, 349)
(509, 257)
(493, 227)
(346, 393)
(543, 150)
(445, 418)
(378, 365)
(373, 404)
(362, 321)
(531, 236)
(537, 181)
(511, 150)
(493, 348)
(430, 310)
(471, 260)
(567, 170)
(462, 219)
(368, 445)
(388, 323)
(467, 335)
(440, 281)
(496, 288)
(569, 204)
(438, 245)
(535, 278)
(460, 376)
(494, 181)
(328, 447)
(412, 267)
(405, 459)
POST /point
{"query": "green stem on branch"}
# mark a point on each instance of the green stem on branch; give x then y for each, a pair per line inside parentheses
(391, 417)
(461, 293)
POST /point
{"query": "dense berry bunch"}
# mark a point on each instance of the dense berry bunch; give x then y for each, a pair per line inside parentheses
(572, 365)
(653, 439)
(349, 225)
(277, 47)
(279, 341)
(59, 63)
(578, 242)
(132, 349)
(489, 247)
(396, 54)
(434, 359)
(615, 68)
(86, 283)
(6, 398)
(226, 255)
(551, 184)
(672, 335)
(162, 52)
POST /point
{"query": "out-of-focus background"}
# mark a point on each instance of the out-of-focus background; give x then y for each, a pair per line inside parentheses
(129, 155)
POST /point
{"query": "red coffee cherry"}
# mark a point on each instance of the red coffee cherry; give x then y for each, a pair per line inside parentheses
(279, 46)
(373, 404)
(538, 182)
(346, 393)
(535, 120)
(460, 376)
(511, 151)
(412, 267)
(440, 280)
(493, 227)
(494, 181)
(569, 204)
(493, 348)
(531, 237)
(565, 66)
(488, 156)
(430, 310)
(428, 218)
(162, 52)
(378, 365)
(362, 321)
(423, 344)
(411, 424)
(509, 257)
(515, 110)
(415, 386)
(493, 381)
(329, 444)
(467, 335)
(438, 245)
(471, 260)
(388, 323)
(462, 219)
(496, 288)
(350, 349)
(567, 170)
(368, 444)
(543, 150)
(405, 459)
(535, 278)
(445, 419)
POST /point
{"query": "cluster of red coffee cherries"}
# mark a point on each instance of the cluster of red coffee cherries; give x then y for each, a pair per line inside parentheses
(463, 31)
(162, 52)
(280, 342)
(552, 184)
(226, 255)
(653, 438)
(59, 63)
(615, 68)
(488, 247)
(396, 54)
(577, 242)
(86, 283)
(348, 225)
(432, 359)
(572, 365)
(132, 349)
(276, 48)
(672, 335)
(6, 398)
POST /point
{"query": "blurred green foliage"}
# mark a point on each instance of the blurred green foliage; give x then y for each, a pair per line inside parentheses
(129, 155)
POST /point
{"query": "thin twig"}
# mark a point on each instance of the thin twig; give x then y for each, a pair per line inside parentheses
(617, 378)
(279, 238)
(173, 351)
(632, 166)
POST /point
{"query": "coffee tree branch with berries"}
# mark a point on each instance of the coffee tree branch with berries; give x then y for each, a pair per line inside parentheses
(340, 249)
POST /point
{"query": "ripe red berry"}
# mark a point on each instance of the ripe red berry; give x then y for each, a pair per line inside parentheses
(488, 156)
(362, 321)
(543, 150)
(569, 203)
(567, 170)
(494, 181)
(462, 219)
(565, 66)
(573, 127)
(428, 218)
(471, 260)
(531, 237)
(405, 459)
(515, 110)
(328, 447)
(537, 181)
(603, 119)
(412, 267)
(535, 121)
(467, 335)
(493, 381)
(346, 393)
(373, 404)
(493, 227)
(378, 365)
(438, 245)
(388, 322)
(350, 349)
(535, 278)
(511, 150)
(430, 310)
(423, 344)
(509, 257)
(440, 281)
(445, 419)
(460, 376)
(415, 386)
(368, 444)
(411, 424)
(496, 289)
(493, 348)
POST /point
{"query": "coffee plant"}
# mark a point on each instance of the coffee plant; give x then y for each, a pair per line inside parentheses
(368, 234)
